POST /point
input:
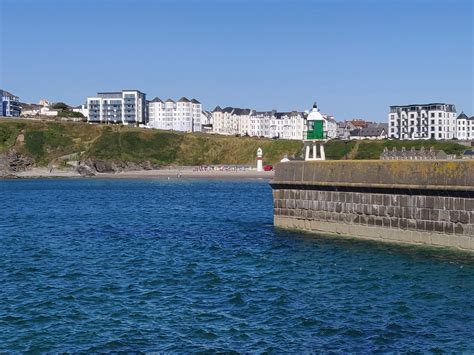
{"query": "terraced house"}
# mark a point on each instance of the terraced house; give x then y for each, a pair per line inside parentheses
(125, 107)
(269, 124)
(10, 104)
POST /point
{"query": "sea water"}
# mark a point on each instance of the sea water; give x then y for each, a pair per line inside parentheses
(92, 265)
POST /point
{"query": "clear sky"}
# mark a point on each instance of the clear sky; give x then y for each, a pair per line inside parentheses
(355, 58)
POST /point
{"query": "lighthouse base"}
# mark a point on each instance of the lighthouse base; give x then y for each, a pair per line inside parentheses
(311, 151)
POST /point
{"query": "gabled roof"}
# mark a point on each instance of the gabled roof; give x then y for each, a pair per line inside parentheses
(241, 111)
(228, 109)
(368, 132)
(183, 99)
(156, 99)
(217, 109)
(194, 101)
(462, 116)
(170, 100)
(280, 115)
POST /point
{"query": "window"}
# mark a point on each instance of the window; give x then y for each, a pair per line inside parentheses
(432, 114)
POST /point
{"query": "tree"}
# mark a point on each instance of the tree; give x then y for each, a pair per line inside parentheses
(59, 106)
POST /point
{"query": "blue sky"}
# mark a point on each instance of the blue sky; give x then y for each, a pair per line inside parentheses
(354, 57)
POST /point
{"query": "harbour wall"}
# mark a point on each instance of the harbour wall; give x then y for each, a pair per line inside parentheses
(416, 202)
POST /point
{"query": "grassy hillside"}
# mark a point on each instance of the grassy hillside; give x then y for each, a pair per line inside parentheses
(47, 141)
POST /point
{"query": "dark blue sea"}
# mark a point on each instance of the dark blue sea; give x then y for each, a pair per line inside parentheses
(197, 266)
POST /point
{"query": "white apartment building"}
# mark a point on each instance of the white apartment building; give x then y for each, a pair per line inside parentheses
(260, 123)
(422, 121)
(183, 115)
(465, 127)
(288, 125)
(331, 126)
(125, 107)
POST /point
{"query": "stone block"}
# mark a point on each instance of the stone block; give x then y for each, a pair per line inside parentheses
(420, 225)
(411, 224)
(458, 228)
(430, 226)
(403, 223)
(469, 204)
(430, 202)
(460, 204)
(464, 217)
(434, 215)
(439, 227)
(420, 201)
(443, 215)
(449, 228)
(394, 222)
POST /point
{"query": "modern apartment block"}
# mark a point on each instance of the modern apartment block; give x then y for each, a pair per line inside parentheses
(422, 121)
(10, 104)
(182, 115)
(125, 107)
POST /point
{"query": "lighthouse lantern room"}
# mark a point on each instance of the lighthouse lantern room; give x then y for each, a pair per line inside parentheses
(315, 135)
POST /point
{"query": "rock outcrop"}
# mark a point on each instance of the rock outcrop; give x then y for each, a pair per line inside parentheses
(111, 167)
(14, 162)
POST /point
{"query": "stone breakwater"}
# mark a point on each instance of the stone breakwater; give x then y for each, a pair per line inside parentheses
(417, 202)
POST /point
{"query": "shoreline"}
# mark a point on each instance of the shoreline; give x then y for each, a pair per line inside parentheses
(171, 173)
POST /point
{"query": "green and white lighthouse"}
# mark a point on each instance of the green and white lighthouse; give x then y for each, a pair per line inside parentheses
(315, 135)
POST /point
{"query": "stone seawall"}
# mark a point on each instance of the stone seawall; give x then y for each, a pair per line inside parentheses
(418, 202)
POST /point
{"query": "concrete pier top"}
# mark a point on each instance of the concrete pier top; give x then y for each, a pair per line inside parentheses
(402, 174)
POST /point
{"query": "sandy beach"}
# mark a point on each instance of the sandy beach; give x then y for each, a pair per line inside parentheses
(167, 173)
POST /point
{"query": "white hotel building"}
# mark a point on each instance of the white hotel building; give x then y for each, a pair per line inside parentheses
(183, 115)
(422, 121)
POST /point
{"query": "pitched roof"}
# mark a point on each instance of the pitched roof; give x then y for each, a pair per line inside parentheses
(8, 94)
(169, 100)
(183, 99)
(217, 109)
(368, 132)
(462, 116)
(280, 115)
(156, 99)
(241, 111)
(194, 101)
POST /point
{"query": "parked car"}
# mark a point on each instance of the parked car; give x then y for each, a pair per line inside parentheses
(267, 168)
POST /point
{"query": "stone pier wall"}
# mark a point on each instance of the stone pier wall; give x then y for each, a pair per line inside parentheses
(418, 202)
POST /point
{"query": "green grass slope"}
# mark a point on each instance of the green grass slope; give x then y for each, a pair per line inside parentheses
(47, 141)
